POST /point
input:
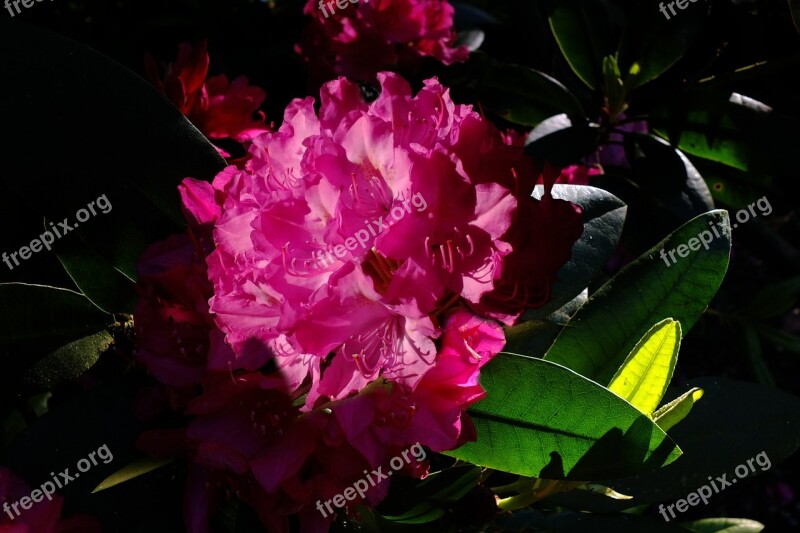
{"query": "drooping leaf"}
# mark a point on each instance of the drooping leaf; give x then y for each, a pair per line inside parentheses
(604, 331)
(67, 362)
(131, 471)
(542, 420)
(643, 377)
(673, 412)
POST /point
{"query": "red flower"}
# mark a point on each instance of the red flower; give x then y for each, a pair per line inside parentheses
(218, 108)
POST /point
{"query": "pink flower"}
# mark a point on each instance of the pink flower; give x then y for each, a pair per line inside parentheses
(334, 239)
(178, 340)
(394, 416)
(364, 38)
(543, 232)
(218, 108)
(42, 517)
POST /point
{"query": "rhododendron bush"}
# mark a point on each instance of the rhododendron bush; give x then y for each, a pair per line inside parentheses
(391, 265)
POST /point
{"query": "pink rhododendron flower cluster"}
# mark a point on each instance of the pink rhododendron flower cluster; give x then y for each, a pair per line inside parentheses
(356, 272)
(42, 516)
(219, 108)
(367, 37)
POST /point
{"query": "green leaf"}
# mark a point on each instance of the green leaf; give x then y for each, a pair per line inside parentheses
(737, 421)
(562, 141)
(614, 90)
(731, 187)
(105, 286)
(723, 525)
(651, 43)
(667, 176)
(582, 31)
(36, 319)
(603, 217)
(67, 362)
(526, 96)
(133, 470)
(604, 331)
(543, 420)
(673, 412)
(643, 377)
(720, 128)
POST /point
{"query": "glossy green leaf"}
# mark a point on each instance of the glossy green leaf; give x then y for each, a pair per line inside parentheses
(654, 42)
(667, 176)
(132, 471)
(736, 421)
(723, 525)
(643, 377)
(526, 96)
(673, 412)
(542, 420)
(734, 188)
(36, 319)
(583, 33)
(67, 362)
(603, 217)
(562, 141)
(719, 128)
(604, 331)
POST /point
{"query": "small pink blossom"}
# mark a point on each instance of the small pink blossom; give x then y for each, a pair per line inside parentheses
(364, 38)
